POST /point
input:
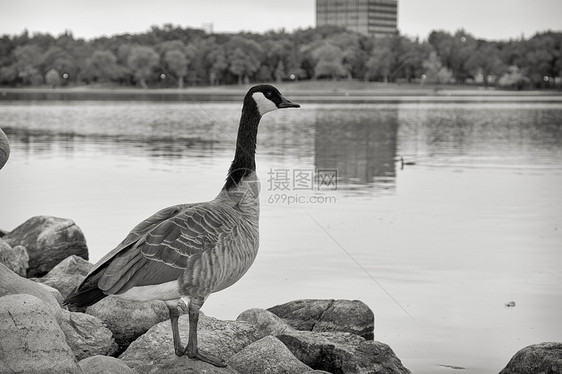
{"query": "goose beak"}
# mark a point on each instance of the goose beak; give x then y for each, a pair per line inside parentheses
(287, 104)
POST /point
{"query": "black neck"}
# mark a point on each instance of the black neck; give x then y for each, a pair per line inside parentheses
(245, 157)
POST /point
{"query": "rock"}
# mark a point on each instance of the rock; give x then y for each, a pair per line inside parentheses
(67, 275)
(338, 352)
(328, 315)
(537, 358)
(53, 291)
(16, 259)
(48, 241)
(267, 356)
(4, 149)
(128, 319)
(264, 321)
(31, 341)
(11, 284)
(86, 335)
(154, 351)
(104, 365)
(72, 265)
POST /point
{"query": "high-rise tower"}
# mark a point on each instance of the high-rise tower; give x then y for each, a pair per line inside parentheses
(369, 17)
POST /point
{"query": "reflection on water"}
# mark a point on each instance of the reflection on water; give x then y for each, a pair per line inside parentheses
(502, 135)
(471, 222)
(360, 144)
(44, 142)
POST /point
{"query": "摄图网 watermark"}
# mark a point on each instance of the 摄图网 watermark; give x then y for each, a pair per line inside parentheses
(289, 186)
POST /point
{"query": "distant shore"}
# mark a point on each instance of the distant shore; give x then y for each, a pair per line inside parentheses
(306, 92)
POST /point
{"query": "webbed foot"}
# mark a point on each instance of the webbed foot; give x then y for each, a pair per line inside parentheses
(206, 357)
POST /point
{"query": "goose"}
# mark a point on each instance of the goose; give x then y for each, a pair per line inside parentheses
(186, 252)
(402, 163)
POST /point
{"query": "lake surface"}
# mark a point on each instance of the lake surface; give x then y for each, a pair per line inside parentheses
(436, 215)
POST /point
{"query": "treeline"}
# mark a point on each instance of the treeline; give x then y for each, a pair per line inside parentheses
(171, 56)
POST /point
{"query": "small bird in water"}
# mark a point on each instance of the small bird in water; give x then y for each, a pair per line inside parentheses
(186, 252)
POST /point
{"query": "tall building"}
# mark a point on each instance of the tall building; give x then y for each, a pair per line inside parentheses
(369, 17)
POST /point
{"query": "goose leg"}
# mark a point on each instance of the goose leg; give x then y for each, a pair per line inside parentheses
(174, 315)
(192, 350)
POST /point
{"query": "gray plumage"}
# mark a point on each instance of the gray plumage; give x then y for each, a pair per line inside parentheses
(189, 251)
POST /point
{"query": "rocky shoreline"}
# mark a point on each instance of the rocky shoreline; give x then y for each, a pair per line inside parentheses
(42, 260)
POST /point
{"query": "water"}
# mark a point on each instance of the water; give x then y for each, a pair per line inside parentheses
(442, 212)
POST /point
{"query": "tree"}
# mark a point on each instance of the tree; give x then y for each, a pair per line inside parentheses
(279, 72)
(194, 57)
(80, 51)
(513, 78)
(102, 66)
(485, 61)
(28, 59)
(539, 61)
(218, 66)
(354, 55)
(279, 57)
(454, 51)
(177, 63)
(57, 58)
(141, 61)
(412, 58)
(53, 78)
(244, 56)
(303, 54)
(380, 60)
(171, 45)
(329, 62)
(264, 74)
(435, 72)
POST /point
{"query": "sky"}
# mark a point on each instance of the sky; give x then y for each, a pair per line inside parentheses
(486, 19)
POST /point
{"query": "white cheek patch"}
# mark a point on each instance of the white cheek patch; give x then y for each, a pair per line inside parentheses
(264, 104)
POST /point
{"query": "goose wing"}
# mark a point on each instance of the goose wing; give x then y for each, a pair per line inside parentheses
(89, 292)
(165, 249)
(138, 232)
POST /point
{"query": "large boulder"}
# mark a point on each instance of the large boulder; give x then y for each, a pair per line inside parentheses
(4, 149)
(48, 241)
(67, 275)
(128, 319)
(16, 259)
(12, 284)
(104, 365)
(265, 322)
(338, 352)
(154, 351)
(31, 340)
(537, 358)
(267, 356)
(328, 316)
(86, 335)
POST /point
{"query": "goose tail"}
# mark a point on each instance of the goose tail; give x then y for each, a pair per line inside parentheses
(84, 295)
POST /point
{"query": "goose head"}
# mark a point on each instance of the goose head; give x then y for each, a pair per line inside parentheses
(258, 101)
(267, 98)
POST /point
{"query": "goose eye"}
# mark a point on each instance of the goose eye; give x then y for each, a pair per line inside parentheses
(268, 94)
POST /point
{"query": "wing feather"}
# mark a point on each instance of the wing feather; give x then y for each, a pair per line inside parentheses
(138, 233)
(171, 242)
